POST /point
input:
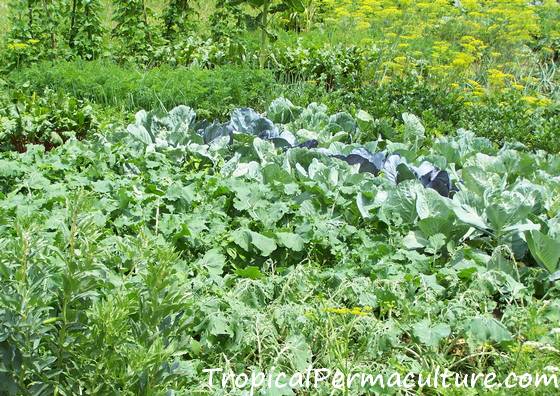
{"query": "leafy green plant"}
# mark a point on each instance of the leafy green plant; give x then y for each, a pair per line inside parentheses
(213, 92)
(133, 29)
(332, 67)
(227, 20)
(85, 37)
(135, 259)
(313, 13)
(49, 120)
(195, 51)
(36, 31)
(176, 19)
(266, 8)
(22, 19)
(545, 250)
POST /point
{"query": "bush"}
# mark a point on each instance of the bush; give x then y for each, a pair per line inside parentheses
(212, 92)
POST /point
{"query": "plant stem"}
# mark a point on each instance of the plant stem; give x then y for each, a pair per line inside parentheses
(30, 14)
(146, 26)
(72, 24)
(264, 22)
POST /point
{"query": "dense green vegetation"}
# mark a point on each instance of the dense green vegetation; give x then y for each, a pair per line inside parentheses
(215, 92)
(361, 185)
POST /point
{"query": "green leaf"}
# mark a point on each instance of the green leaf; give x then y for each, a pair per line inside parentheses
(484, 329)
(296, 5)
(436, 242)
(429, 334)
(265, 244)
(414, 131)
(242, 238)
(415, 240)
(218, 325)
(283, 111)
(214, 262)
(299, 351)
(544, 249)
(250, 272)
(401, 202)
(290, 241)
(56, 139)
(139, 131)
(365, 120)
(468, 215)
(366, 201)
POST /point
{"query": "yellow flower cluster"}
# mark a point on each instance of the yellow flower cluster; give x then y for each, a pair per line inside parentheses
(17, 46)
(453, 41)
(356, 311)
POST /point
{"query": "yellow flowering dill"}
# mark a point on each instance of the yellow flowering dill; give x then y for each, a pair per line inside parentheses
(473, 83)
(532, 100)
(479, 93)
(476, 14)
(356, 311)
(462, 60)
(390, 12)
(342, 12)
(497, 77)
(367, 42)
(17, 46)
(440, 47)
(472, 44)
(363, 25)
(475, 30)
(470, 4)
